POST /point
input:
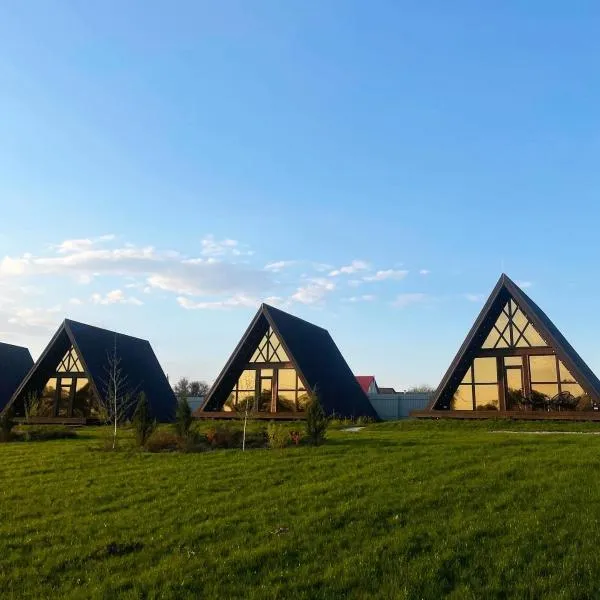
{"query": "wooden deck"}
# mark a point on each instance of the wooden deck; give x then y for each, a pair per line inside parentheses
(261, 416)
(530, 415)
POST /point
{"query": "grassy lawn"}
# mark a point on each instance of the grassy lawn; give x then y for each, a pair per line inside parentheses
(399, 510)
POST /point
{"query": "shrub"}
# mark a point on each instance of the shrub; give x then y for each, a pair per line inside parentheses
(316, 421)
(295, 436)
(42, 433)
(183, 418)
(489, 406)
(224, 436)
(6, 424)
(143, 425)
(277, 435)
(163, 441)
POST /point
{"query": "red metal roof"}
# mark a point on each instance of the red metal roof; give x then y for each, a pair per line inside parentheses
(365, 381)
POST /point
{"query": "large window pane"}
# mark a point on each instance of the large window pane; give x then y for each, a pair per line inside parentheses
(565, 375)
(485, 370)
(573, 388)
(287, 379)
(545, 389)
(486, 397)
(286, 401)
(468, 378)
(543, 368)
(463, 398)
(247, 380)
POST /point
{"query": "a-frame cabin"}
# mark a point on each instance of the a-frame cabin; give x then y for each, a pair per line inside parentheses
(278, 362)
(15, 362)
(515, 363)
(69, 382)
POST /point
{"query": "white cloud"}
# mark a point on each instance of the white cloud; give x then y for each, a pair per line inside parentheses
(43, 319)
(169, 271)
(353, 267)
(322, 267)
(79, 245)
(313, 292)
(276, 267)
(227, 247)
(233, 302)
(404, 300)
(387, 274)
(237, 301)
(424, 272)
(474, 297)
(115, 297)
(363, 298)
(75, 301)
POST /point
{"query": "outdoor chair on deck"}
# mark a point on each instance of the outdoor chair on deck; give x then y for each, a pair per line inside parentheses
(564, 401)
(539, 401)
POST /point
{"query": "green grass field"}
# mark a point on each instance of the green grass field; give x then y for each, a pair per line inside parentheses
(399, 510)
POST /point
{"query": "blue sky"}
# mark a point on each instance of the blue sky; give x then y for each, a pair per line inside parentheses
(164, 167)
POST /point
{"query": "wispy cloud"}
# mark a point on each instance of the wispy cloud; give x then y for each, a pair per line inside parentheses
(353, 267)
(276, 267)
(115, 297)
(404, 300)
(386, 275)
(424, 272)
(363, 298)
(474, 297)
(166, 270)
(314, 292)
(218, 248)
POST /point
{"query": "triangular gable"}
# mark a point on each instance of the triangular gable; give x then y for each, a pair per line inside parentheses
(309, 349)
(82, 350)
(512, 324)
(15, 363)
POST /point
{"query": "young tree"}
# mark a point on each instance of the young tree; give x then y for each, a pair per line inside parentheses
(183, 418)
(247, 381)
(198, 388)
(6, 424)
(116, 402)
(316, 420)
(421, 388)
(143, 424)
(182, 387)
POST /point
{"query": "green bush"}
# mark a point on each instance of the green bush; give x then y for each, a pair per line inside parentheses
(164, 441)
(225, 436)
(143, 425)
(316, 421)
(277, 435)
(42, 433)
(183, 418)
(6, 424)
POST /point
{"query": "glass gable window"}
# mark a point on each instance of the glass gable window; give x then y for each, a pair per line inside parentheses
(269, 350)
(67, 393)
(269, 382)
(515, 363)
(513, 330)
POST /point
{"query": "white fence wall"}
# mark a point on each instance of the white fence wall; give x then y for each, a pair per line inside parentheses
(390, 407)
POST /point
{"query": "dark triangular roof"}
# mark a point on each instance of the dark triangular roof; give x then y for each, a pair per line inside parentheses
(15, 362)
(314, 355)
(94, 345)
(502, 292)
